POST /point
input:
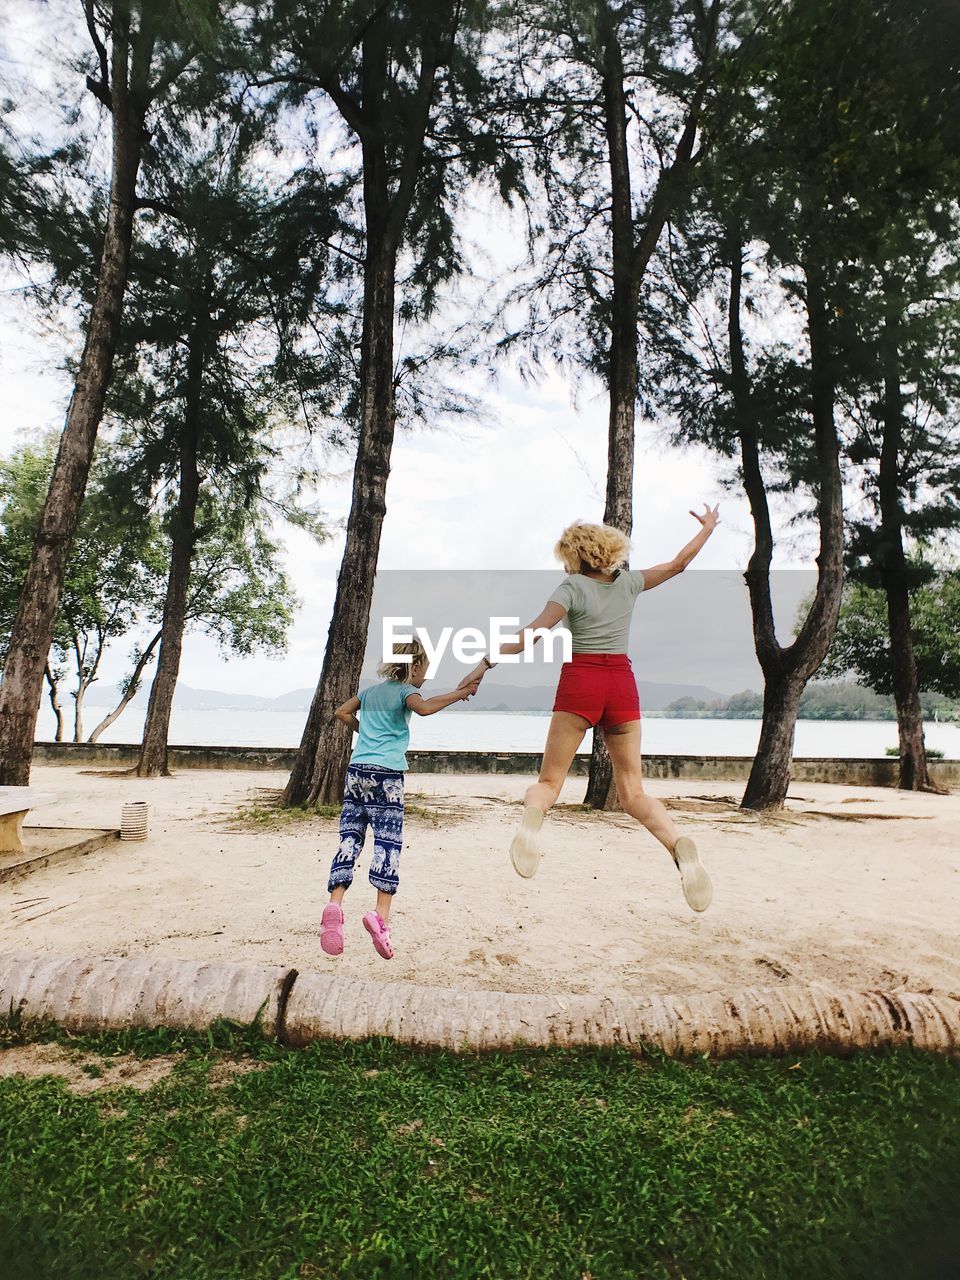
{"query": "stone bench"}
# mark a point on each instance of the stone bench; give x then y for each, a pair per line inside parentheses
(15, 804)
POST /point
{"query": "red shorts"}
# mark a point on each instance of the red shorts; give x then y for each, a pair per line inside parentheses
(599, 687)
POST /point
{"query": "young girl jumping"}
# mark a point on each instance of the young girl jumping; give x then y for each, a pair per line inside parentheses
(597, 687)
(373, 789)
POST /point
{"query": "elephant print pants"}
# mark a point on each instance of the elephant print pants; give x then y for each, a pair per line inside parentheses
(372, 796)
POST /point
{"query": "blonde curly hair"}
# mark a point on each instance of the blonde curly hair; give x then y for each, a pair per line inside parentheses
(592, 546)
(401, 671)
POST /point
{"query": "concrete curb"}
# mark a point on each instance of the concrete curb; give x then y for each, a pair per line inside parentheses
(110, 993)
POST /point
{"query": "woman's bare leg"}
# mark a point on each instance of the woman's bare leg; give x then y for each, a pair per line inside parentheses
(565, 735)
(623, 745)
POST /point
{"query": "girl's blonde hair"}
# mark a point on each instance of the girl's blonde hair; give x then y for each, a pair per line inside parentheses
(401, 671)
(592, 546)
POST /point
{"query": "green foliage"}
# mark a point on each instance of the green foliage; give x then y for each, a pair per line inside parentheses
(740, 706)
(239, 594)
(114, 574)
(823, 699)
(21, 199)
(115, 579)
(358, 76)
(351, 1159)
(862, 643)
(821, 145)
(23, 485)
(209, 367)
(552, 78)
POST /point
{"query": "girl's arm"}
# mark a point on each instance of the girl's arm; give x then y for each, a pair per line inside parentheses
(346, 713)
(421, 706)
(549, 616)
(664, 572)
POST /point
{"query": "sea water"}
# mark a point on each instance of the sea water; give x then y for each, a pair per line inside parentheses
(499, 731)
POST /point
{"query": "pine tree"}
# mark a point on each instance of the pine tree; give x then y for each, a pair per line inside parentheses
(209, 370)
(140, 52)
(395, 75)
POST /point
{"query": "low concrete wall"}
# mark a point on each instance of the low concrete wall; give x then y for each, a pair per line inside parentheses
(119, 755)
(880, 772)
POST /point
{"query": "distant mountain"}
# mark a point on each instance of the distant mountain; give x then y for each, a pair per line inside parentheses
(188, 699)
(507, 697)
(492, 697)
(297, 700)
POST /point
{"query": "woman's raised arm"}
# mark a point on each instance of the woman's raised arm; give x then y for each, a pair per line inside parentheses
(548, 617)
(664, 572)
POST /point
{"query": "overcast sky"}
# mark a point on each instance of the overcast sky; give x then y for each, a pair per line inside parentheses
(487, 497)
(491, 496)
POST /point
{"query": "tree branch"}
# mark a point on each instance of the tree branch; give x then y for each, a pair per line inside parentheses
(101, 49)
(173, 72)
(158, 206)
(100, 92)
(349, 108)
(413, 152)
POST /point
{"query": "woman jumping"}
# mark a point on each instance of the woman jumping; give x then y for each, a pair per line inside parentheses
(597, 687)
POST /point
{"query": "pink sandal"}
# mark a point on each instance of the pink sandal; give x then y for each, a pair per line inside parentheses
(331, 929)
(378, 931)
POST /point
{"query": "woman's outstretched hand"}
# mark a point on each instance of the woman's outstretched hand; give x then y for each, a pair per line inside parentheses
(710, 518)
(473, 677)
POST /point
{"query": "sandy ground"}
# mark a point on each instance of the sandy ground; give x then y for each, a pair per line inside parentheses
(850, 888)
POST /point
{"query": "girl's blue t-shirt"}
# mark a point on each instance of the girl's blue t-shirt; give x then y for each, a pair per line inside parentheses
(384, 725)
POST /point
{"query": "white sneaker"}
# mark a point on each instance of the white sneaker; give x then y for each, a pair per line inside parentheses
(525, 846)
(697, 888)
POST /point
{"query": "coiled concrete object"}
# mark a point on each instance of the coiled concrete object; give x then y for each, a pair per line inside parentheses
(101, 994)
(135, 820)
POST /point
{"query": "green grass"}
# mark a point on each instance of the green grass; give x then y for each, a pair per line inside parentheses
(271, 814)
(274, 815)
(350, 1160)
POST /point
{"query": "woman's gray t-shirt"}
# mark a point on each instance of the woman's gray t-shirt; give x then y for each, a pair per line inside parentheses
(599, 613)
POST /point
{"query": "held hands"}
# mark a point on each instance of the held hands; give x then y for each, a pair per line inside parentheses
(710, 518)
(472, 679)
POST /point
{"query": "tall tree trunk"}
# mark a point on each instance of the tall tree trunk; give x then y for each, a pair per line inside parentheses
(914, 772)
(156, 729)
(133, 687)
(770, 775)
(630, 262)
(787, 669)
(318, 772)
(32, 631)
(86, 674)
(54, 701)
(78, 714)
(622, 359)
(321, 763)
